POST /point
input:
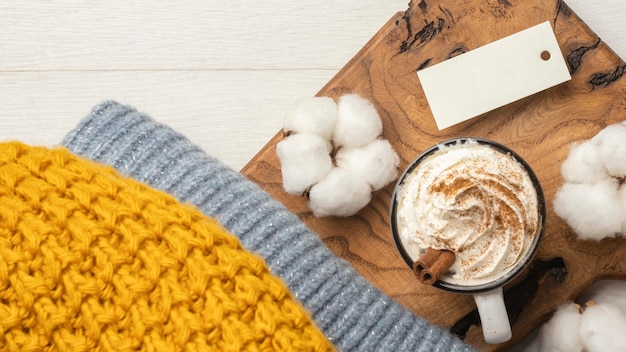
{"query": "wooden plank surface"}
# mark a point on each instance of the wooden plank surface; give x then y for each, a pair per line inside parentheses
(205, 106)
(221, 72)
(540, 128)
(185, 35)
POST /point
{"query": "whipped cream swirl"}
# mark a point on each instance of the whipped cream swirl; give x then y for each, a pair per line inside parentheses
(475, 201)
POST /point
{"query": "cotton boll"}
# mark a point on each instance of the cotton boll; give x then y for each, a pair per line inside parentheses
(305, 159)
(301, 146)
(561, 333)
(316, 115)
(339, 194)
(611, 143)
(376, 162)
(609, 132)
(358, 122)
(593, 211)
(603, 329)
(583, 164)
(611, 292)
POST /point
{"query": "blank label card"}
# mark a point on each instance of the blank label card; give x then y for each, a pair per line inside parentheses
(494, 75)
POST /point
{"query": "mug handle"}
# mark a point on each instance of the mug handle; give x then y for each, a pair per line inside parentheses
(493, 316)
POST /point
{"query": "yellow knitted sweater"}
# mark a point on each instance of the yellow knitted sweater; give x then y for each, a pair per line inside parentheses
(90, 260)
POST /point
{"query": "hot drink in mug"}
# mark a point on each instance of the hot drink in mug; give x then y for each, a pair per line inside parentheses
(467, 216)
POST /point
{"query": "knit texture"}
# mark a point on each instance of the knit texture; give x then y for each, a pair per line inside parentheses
(352, 313)
(95, 261)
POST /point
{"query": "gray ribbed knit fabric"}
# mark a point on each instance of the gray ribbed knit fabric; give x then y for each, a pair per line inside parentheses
(353, 314)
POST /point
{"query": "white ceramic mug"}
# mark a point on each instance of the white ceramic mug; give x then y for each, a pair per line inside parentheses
(488, 296)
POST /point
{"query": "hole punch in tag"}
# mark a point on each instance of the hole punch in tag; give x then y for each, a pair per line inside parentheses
(494, 75)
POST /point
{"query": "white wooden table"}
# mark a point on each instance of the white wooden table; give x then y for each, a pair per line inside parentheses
(222, 73)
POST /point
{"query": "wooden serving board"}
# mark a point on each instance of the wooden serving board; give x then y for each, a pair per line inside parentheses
(540, 128)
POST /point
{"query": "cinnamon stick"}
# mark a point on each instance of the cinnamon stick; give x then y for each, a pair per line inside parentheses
(432, 264)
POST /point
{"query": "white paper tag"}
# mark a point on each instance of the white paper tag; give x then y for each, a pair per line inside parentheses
(494, 75)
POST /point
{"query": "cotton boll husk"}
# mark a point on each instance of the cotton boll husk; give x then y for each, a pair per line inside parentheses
(593, 211)
(376, 162)
(305, 160)
(339, 194)
(358, 122)
(603, 329)
(611, 142)
(561, 332)
(315, 115)
(583, 164)
(622, 198)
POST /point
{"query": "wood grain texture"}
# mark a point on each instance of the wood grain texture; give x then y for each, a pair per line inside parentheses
(540, 128)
